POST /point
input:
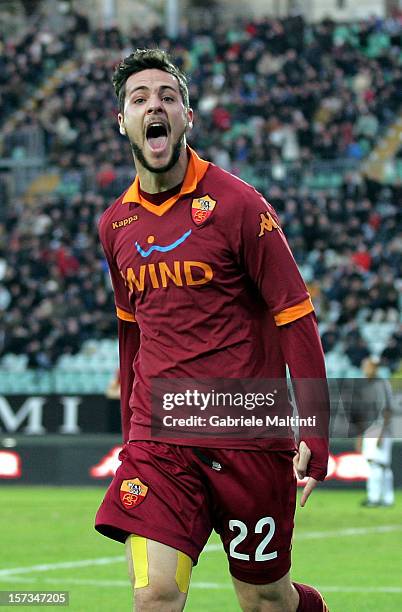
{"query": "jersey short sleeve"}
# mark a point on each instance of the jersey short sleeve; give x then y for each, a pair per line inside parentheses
(269, 262)
(123, 307)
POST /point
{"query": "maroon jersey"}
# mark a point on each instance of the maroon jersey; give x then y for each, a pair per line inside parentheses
(209, 278)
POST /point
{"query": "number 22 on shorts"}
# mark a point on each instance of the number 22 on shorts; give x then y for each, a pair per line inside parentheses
(260, 554)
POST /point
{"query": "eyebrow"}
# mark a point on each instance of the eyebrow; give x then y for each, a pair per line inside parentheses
(161, 88)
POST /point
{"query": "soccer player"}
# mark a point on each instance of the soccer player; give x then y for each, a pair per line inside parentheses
(205, 286)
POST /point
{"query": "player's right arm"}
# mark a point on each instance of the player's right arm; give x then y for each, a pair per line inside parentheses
(128, 330)
(129, 342)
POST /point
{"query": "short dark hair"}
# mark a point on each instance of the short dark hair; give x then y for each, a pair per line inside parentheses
(144, 59)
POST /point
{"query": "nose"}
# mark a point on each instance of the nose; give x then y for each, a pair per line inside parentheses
(154, 105)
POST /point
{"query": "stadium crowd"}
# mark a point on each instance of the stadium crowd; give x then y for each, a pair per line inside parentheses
(264, 91)
(26, 59)
(52, 269)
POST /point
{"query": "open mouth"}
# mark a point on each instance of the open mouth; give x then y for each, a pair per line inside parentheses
(156, 135)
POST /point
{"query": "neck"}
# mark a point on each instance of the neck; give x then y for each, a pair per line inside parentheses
(154, 182)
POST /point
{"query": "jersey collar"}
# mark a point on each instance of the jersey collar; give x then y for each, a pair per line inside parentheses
(196, 170)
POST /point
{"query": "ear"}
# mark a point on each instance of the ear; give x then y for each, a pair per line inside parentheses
(122, 129)
(190, 116)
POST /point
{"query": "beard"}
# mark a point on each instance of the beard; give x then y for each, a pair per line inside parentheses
(174, 158)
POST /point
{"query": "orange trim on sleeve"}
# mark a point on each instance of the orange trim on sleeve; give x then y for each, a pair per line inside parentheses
(124, 315)
(196, 170)
(294, 312)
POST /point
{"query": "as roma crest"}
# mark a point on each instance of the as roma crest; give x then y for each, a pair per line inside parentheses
(201, 209)
(132, 492)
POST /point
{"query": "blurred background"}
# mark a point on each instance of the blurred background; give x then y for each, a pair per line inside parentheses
(302, 99)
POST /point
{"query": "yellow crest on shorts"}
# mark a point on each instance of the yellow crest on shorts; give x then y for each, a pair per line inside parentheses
(132, 492)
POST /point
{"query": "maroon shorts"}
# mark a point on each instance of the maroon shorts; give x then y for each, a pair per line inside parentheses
(177, 495)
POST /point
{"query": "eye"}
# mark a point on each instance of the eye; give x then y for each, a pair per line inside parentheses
(138, 100)
(167, 99)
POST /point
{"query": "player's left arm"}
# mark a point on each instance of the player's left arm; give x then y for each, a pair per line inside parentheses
(302, 350)
(269, 261)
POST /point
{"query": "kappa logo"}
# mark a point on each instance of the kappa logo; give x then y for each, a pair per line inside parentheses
(132, 492)
(201, 208)
(158, 247)
(124, 222)
(267, 224)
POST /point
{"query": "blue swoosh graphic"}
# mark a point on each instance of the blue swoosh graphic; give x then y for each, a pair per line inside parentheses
(162, 249)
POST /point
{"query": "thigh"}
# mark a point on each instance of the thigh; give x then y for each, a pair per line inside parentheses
(159, 574)
(255, 502)
(155, 494)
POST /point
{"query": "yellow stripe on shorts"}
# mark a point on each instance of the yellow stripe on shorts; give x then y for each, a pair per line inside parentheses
(183, 571)
(140, 561)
